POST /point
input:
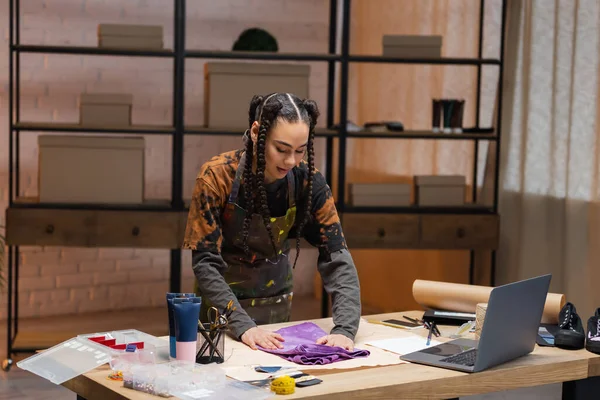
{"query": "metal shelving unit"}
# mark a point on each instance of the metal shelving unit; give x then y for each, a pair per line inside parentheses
(178, 130)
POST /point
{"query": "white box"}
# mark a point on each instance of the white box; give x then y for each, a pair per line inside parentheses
(229, 87)
(91, 169)
(412, 46)
(440, 190)
(380, 194)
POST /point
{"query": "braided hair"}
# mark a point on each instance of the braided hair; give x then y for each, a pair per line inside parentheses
(267, 110)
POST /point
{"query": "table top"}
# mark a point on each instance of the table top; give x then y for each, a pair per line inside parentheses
(545, 365)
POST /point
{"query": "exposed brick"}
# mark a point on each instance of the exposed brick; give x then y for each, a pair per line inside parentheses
(41, 296)
(104, 267)
(124, 265)
(66, 280)
(75, 280)
(147, 275)
(37, 283)
(100, 293)
(58, 269)
(81, 294)
(163, 262)
(60, 295)
(49, 309)
(115, 253)
(46, 257)
(29, 271)
(78, 254)
(110, 278)
(128, 296)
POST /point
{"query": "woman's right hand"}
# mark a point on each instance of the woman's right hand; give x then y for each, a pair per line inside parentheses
(263, 338)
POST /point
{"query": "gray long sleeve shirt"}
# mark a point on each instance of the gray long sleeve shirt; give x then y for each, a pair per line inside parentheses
(337, 272)
(323, 230)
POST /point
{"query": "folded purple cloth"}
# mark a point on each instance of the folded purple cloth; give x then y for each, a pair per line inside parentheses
(300, 347)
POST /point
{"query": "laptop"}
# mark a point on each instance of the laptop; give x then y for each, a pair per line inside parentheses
(509, 331)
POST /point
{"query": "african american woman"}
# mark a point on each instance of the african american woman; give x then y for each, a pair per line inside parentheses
(245, 206)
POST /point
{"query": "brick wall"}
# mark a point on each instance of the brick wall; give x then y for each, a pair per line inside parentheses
(67, 280)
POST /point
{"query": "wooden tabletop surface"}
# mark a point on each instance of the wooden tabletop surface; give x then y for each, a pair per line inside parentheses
(545, 365)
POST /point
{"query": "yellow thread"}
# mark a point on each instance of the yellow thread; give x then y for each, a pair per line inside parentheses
(271, 283)
(283, 385)
(253, 302)
(273, 219)
(281, 232)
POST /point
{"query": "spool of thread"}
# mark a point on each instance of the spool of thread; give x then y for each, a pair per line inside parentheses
(480, 311)
(283, 385)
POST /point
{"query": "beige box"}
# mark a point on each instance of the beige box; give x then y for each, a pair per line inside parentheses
(229, 87)
(380, 194)
(140, 43)
(412, 46)
(440, 190)
(130, 30)
(130, 36)
(105, 109)
(91, 169)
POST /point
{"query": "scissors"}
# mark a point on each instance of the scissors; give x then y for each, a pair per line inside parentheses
(218, 320)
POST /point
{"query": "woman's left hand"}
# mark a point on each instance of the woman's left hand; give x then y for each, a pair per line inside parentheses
(337, 340)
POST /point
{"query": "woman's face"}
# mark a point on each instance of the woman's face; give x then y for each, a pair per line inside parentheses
(284, 148)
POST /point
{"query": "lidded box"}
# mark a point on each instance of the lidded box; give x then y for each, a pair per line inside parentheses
(229, 87)
(91, 169)
(130, 36)
(440, 190)
(380, 194)
(105, 109)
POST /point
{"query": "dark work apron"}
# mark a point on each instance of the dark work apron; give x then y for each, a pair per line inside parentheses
(262, 280)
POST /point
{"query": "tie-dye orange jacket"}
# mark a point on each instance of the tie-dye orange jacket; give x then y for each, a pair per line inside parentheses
(213, 185)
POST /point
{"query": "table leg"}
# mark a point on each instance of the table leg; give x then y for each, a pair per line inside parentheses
(581, 389)
(79, 397)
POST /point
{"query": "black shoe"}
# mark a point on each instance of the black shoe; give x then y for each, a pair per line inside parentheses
(592, 342)
(570, 334)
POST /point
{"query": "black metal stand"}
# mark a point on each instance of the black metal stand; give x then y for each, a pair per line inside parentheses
(178, 129)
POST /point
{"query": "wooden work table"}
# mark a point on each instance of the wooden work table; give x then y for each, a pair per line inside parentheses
(578, 370)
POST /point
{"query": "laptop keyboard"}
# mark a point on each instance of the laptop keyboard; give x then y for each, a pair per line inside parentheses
(465, 358)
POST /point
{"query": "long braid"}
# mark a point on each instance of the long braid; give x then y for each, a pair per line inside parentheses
(266, 113)
(249, 183)
(261, 163)
(248, 193)
(310, 149)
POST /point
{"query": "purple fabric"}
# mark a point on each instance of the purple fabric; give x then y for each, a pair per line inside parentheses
(300, 346)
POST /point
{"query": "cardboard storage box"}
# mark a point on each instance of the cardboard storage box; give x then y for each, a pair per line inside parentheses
(105, 109)
(380, 194)
(91, 169)
(412, 46)
(229, 87)
(130, 36)
(440, 190)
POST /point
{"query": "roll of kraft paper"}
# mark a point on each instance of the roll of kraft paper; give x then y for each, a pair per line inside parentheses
(464, 298)
(187, 315)
(170, 297)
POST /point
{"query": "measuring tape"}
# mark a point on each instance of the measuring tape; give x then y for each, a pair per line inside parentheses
(283, 385)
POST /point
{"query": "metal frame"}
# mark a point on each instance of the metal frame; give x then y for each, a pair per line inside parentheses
(178, 130)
